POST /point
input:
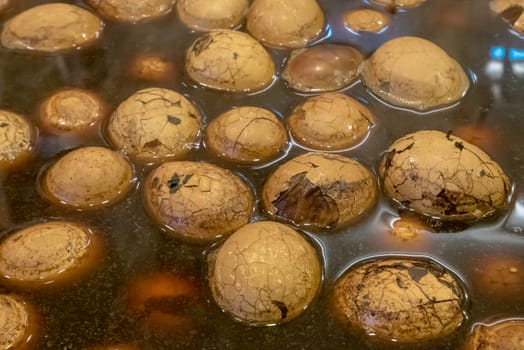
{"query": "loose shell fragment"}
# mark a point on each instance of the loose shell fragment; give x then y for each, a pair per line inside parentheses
(443, 176)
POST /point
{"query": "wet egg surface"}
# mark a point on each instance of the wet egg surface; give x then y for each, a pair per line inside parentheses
(98, 311)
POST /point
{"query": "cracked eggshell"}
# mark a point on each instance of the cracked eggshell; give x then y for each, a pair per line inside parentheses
(330, 121)
(87, 178)
(229, 60)
(71, 110)
(415, 73)
(17, 138)
(285, 23)
(211, 14)
(248, 135)
(400, 299)
(132, 10)
(325, 67)
(319, 190)
(19, 323)
(505, 334)
(266, 273)
(49, 254)
(155, 124)
(443, 176)
(197, 202)
(51, 27)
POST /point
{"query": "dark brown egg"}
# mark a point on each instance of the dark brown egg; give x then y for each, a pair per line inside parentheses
(51, 27)
(164, 299)
(320, 190)
(400, 300)
(325, 67)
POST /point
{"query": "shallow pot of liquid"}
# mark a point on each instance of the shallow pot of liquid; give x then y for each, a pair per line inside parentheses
(151, 289)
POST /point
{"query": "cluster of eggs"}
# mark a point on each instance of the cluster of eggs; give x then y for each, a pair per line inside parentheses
(264, 272)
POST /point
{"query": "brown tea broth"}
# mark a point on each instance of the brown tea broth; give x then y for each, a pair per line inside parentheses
(92, 312)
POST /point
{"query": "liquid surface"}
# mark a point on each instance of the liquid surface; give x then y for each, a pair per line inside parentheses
(92, 313)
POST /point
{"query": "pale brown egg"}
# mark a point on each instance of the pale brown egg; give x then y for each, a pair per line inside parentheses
(87, 178)
(398, 3)
(443, 176)
(197, 202)
(402, 300)
(54, 253)
(266, 273)
(211, 14)
(132, 10)
(325, 67)
(52, 27)
(366, 20)
(71, 111)
(17, 140)
(155, 124)
(414, 73)
(285, 23)
(319, 190)
(229, 60)
(506, 334)
(330, 121)
(154, 67)
(246, 135)
(19, 324)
